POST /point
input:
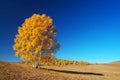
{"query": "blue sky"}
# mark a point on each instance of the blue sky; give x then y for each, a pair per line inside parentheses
(88, 30)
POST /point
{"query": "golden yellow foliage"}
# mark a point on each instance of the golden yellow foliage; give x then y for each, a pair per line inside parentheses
(36, 36)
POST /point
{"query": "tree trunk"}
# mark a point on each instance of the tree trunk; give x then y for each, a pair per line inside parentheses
(36, 65)
(35, 62)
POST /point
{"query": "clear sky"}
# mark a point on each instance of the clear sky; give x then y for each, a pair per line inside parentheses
(88, 30)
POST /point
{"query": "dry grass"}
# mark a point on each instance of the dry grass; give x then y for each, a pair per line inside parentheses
(18, 71)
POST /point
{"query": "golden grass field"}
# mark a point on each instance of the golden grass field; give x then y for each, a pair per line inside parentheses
(20, 71)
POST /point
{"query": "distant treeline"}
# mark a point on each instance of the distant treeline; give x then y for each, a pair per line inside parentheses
(47, 60)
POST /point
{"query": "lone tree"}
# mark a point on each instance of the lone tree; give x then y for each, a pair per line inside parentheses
(35, 37)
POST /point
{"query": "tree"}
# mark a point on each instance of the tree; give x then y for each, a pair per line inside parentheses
(36, 36)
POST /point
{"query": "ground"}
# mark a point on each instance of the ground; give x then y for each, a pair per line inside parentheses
(20, 71)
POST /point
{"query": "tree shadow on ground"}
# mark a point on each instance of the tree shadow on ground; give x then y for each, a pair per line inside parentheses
(74, 72)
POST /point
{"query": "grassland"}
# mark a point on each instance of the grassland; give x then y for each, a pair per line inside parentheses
(20, 71)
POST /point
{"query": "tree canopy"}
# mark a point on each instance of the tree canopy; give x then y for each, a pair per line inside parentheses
(36, 36)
